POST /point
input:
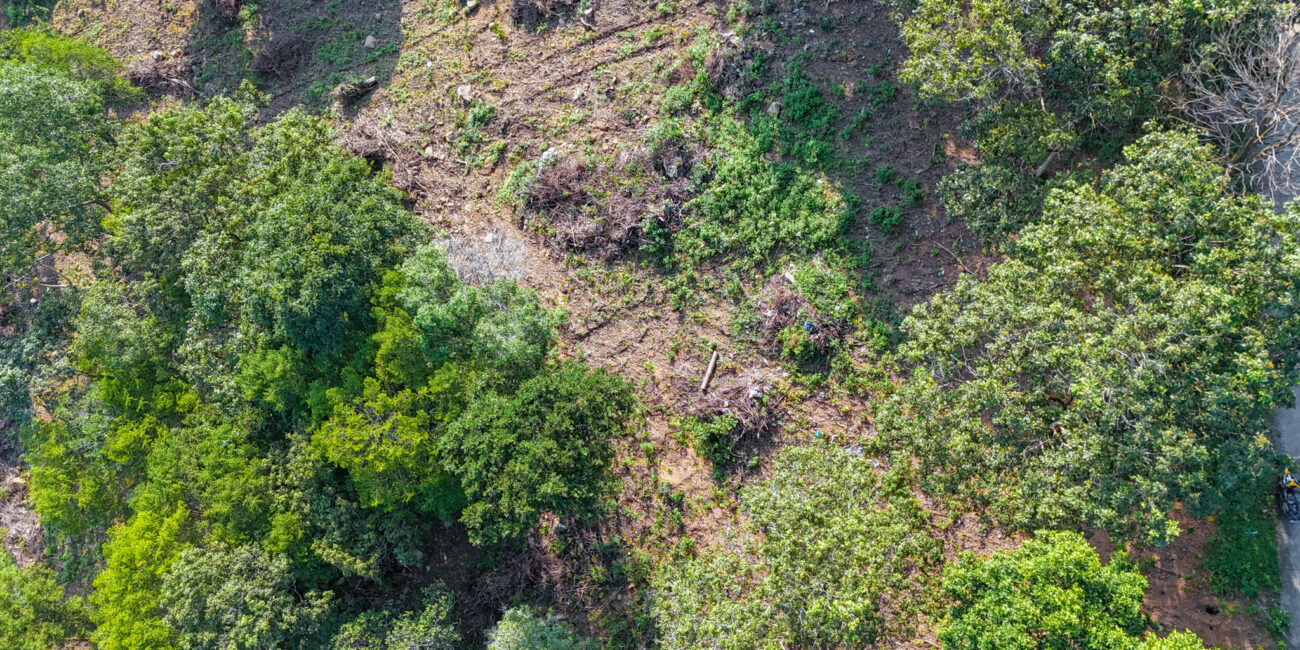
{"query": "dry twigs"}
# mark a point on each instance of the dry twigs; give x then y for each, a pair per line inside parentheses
(1243, 90)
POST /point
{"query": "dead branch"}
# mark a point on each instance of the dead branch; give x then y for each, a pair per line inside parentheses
(1243, 90)
(708, 374)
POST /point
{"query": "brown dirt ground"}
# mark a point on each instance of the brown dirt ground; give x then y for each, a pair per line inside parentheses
(1177, 597)
(589, 84)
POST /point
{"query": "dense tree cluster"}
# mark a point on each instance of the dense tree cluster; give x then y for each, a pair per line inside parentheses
(1127, 359)
(283, 388)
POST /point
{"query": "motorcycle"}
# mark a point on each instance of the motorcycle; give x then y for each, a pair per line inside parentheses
(1288, 498)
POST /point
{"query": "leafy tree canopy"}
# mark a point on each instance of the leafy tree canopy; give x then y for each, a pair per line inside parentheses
(34, 615)
(218, 599)
(1051, 592)
(526, 628)
(1126, 360)
(52, 133)
(837, 540)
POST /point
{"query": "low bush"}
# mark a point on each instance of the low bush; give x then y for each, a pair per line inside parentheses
(1051, 592)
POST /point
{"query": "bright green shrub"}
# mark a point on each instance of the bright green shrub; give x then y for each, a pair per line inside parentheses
(757, 210)
(525, 628)
(886, 218)
(34, 615)
(44, 48)
(713, 438)
(387, 443)
(837, 541)
(128, 593)
(1127, 359)
(1051, 592)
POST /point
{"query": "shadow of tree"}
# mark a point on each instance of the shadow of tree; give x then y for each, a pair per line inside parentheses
(298, 51)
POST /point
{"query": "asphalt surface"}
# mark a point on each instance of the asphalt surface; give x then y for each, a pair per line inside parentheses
(1286, 427)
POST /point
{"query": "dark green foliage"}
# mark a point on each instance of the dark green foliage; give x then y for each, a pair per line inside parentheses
(1101, 65)
(713, 439)
(1003, 192)
(546, 448)
(294, 234)
(1241, 555)
(885, 218)
(804, 128)
(992, 199)
(837, 541)
(34, 615)
(499, 328)
(1128, 359)
(1051, 592)
(430, 628)
(886, 175)
(22, 12)
(321, 523)
(240, 598)
(32, 359)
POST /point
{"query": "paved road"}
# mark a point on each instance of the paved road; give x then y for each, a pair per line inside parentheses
(1286, 426)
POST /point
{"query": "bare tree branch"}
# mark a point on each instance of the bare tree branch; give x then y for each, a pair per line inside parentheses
(1243, 90)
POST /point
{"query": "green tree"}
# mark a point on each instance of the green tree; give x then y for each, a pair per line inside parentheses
(1100, 64)
(430, 628)
(388, 445)
(127, 598)
(34, 614)
(1051, 592)
(548, 447)
(219, 599)
(525, 628)
(837, 542)
(292, 237)
(52, 136)
(1127, 359)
